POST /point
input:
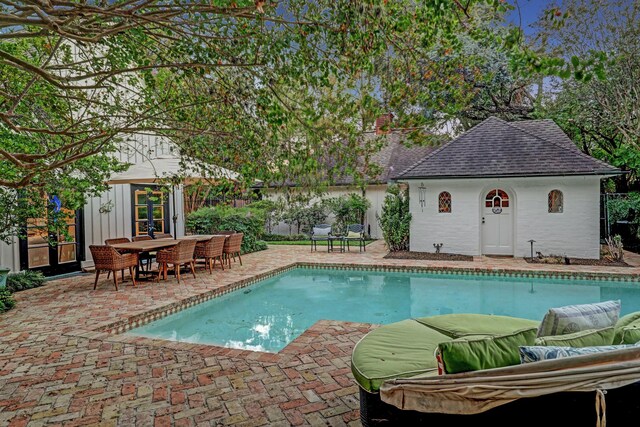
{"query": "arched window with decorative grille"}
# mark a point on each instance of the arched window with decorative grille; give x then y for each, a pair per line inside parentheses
(556, 201)
(444, 202)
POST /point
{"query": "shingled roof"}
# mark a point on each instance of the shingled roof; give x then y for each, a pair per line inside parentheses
(495, 148)
(393, 157)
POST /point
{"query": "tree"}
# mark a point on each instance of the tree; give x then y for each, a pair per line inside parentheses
(348, 209)
(228, 82)
(600, 114)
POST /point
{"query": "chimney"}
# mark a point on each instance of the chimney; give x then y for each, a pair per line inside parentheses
(383, 124)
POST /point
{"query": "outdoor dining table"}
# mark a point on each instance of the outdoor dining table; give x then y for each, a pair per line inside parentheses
(156, 244)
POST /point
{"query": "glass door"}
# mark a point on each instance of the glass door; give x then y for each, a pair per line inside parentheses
(52, 252)
(150, 211)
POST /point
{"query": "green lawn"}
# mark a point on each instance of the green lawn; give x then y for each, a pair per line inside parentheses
(308, 242)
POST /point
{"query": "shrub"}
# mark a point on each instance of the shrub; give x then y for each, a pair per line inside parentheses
(272, 212)
(247, 220)
(395, 220)
(348, 209)
(6, 300)
(616, 250)
(26, 279)
(305, 216)
(284, 237)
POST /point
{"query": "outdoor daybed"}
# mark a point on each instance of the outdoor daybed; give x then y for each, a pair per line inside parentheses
(396, 369)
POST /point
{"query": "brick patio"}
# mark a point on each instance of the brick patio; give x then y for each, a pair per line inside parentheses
(59, 367)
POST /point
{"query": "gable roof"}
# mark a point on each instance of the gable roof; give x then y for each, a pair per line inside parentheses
(495, 148)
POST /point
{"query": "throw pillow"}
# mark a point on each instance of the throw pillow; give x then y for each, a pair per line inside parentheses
(321, 231)
(574, 318)
(627, 329)
(586, 338)
(486, 352)
(537, 353)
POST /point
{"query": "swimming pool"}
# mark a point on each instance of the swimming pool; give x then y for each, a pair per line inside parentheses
(269, 314)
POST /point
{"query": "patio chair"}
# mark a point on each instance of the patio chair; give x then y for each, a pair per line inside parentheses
(232, 247)
(211, 250)
(182, 253)
(225, 232)
(115, 241)
(106, 258)
(320, 233)
(146, 258)
(355, 233)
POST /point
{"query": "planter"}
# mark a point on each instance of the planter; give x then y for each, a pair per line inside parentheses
(4, 272)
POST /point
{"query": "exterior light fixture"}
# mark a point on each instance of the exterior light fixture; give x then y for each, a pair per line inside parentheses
(422, 196)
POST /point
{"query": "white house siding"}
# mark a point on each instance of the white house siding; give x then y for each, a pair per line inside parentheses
(117, 222)
(375, 194)
(575, 232)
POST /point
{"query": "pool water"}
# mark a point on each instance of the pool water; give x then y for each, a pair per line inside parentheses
(269, 314)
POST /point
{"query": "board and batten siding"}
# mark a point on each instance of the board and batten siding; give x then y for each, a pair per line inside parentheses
(575, 232)
(99, 226)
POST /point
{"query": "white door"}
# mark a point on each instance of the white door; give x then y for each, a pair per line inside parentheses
(497, 223)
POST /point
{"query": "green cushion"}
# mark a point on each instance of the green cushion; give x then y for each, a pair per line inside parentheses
(472, 354)
(459, 325)
(353, 235)
(586, 338)
(627, 329)
(397, 350)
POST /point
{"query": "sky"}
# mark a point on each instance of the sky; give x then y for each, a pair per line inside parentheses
(528, 11)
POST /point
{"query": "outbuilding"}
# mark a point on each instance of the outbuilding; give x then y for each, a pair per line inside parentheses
(496, 187)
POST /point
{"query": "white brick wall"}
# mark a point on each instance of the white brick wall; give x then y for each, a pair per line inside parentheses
(575, 232)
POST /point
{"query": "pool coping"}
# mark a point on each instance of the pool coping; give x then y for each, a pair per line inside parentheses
(140, 319)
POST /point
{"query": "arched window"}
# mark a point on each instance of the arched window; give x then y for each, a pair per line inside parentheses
(496, 199)
(556, 201)
(444, 202)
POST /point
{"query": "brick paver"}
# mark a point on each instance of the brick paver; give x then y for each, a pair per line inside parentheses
(58, 366)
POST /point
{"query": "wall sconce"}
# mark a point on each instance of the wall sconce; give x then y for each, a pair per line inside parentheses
(422, 196)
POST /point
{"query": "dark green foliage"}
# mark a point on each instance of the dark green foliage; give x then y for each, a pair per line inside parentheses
(625, 208)
(6, 300)
(395, 220)
(304, 216)
(348, 209)
(27, 279)
(247, 220)
(284, 237)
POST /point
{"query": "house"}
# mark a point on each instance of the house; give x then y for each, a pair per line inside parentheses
(394, 155)
(501, 185)
(120, 212)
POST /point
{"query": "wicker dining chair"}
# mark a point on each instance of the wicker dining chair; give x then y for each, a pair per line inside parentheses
(106, 258)
(182, 253)
(146, 258)
(211, 250)
(115, 241)
(232, 247)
